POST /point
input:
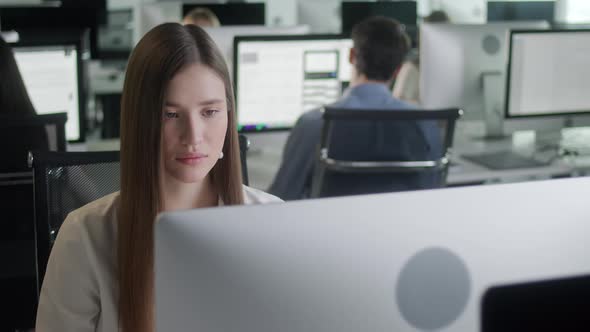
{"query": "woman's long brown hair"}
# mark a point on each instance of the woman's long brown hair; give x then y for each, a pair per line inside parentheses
(160, 54)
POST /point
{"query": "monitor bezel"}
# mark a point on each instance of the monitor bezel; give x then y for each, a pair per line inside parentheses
(95, 10)
(519, 3)
(78, 43)
(270, 38)
(346, 29)
(507, 85)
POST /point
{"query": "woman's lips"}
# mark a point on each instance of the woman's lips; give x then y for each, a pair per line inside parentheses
(191, 158)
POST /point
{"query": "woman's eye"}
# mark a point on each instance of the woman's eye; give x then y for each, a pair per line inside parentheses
(170, 115)
(210, 113)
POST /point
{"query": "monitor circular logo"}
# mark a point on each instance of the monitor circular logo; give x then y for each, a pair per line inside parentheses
(491, 44)
(433, 289)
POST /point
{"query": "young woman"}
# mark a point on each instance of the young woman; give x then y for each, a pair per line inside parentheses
(179, 150)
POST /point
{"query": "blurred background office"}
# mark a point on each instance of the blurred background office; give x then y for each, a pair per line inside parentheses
(523, 93)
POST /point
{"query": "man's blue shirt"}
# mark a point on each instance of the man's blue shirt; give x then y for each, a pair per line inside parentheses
(293, 179)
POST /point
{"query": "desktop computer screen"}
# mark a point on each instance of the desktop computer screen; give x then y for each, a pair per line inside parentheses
(521, 10)
(454, 59)
(548, 73)
(405, 12)
(51, 74)
(233, 13)
(278, 78)
(223, 36)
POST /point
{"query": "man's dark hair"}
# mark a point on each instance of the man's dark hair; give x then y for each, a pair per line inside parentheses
(437, 16)
(380, 44)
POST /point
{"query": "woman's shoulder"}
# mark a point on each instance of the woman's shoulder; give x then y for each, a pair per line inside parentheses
(95, 217)
(255, 196)
(99, 208)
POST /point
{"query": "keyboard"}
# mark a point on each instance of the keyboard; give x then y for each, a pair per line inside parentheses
(503, 160)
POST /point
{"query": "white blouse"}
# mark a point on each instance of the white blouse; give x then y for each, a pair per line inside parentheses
(80, 291)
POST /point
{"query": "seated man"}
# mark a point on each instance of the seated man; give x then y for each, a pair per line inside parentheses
(379, 47)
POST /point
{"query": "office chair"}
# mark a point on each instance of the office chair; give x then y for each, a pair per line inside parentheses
(244, 147)
(68, 180)
(65, 181)
(383, 151)
(18, 135)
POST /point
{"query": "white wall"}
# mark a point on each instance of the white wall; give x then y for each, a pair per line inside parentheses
(572, 11)
(285, 12)
(281, 12)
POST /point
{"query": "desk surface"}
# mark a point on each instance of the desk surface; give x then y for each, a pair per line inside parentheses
(266, 150)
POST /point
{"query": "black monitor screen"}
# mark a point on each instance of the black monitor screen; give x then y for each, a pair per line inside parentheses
(553, 305)
(234, 13)
(405, 12)
(42, 19)
(521, 10)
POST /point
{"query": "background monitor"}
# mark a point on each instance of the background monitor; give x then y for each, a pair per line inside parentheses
(548, 73)
(29, 21)
(405, 12)
(454, 59)
(548, 305)
(521, 10)
(224, 35)
(238, 13)
(278, 78)
(52, 74)
(366, 263)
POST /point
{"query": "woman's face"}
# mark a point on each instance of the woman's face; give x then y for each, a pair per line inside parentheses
(194, 123)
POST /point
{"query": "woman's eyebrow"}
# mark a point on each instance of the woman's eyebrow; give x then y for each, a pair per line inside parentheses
(211, 102)
(203, 103)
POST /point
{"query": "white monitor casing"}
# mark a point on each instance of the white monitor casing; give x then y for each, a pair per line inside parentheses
(391, 262)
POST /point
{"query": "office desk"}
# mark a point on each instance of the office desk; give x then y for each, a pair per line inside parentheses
(266, 151)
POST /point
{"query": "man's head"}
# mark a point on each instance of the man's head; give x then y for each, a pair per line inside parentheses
(202, 17)
(379, 47)
(437, 16)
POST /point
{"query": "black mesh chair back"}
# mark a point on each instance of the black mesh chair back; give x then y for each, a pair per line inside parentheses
(18, 135)
(376, 151)
(244, 147)
(64, 182)
(69, 180)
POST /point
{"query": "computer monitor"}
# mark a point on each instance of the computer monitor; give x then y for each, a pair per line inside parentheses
(224, 35)
(67, 14)
(405, 12)
(521, 10)
(454, 59)
(53, 76)
(366, 263)
(236, 13)
(278, 78)
(548, 73)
